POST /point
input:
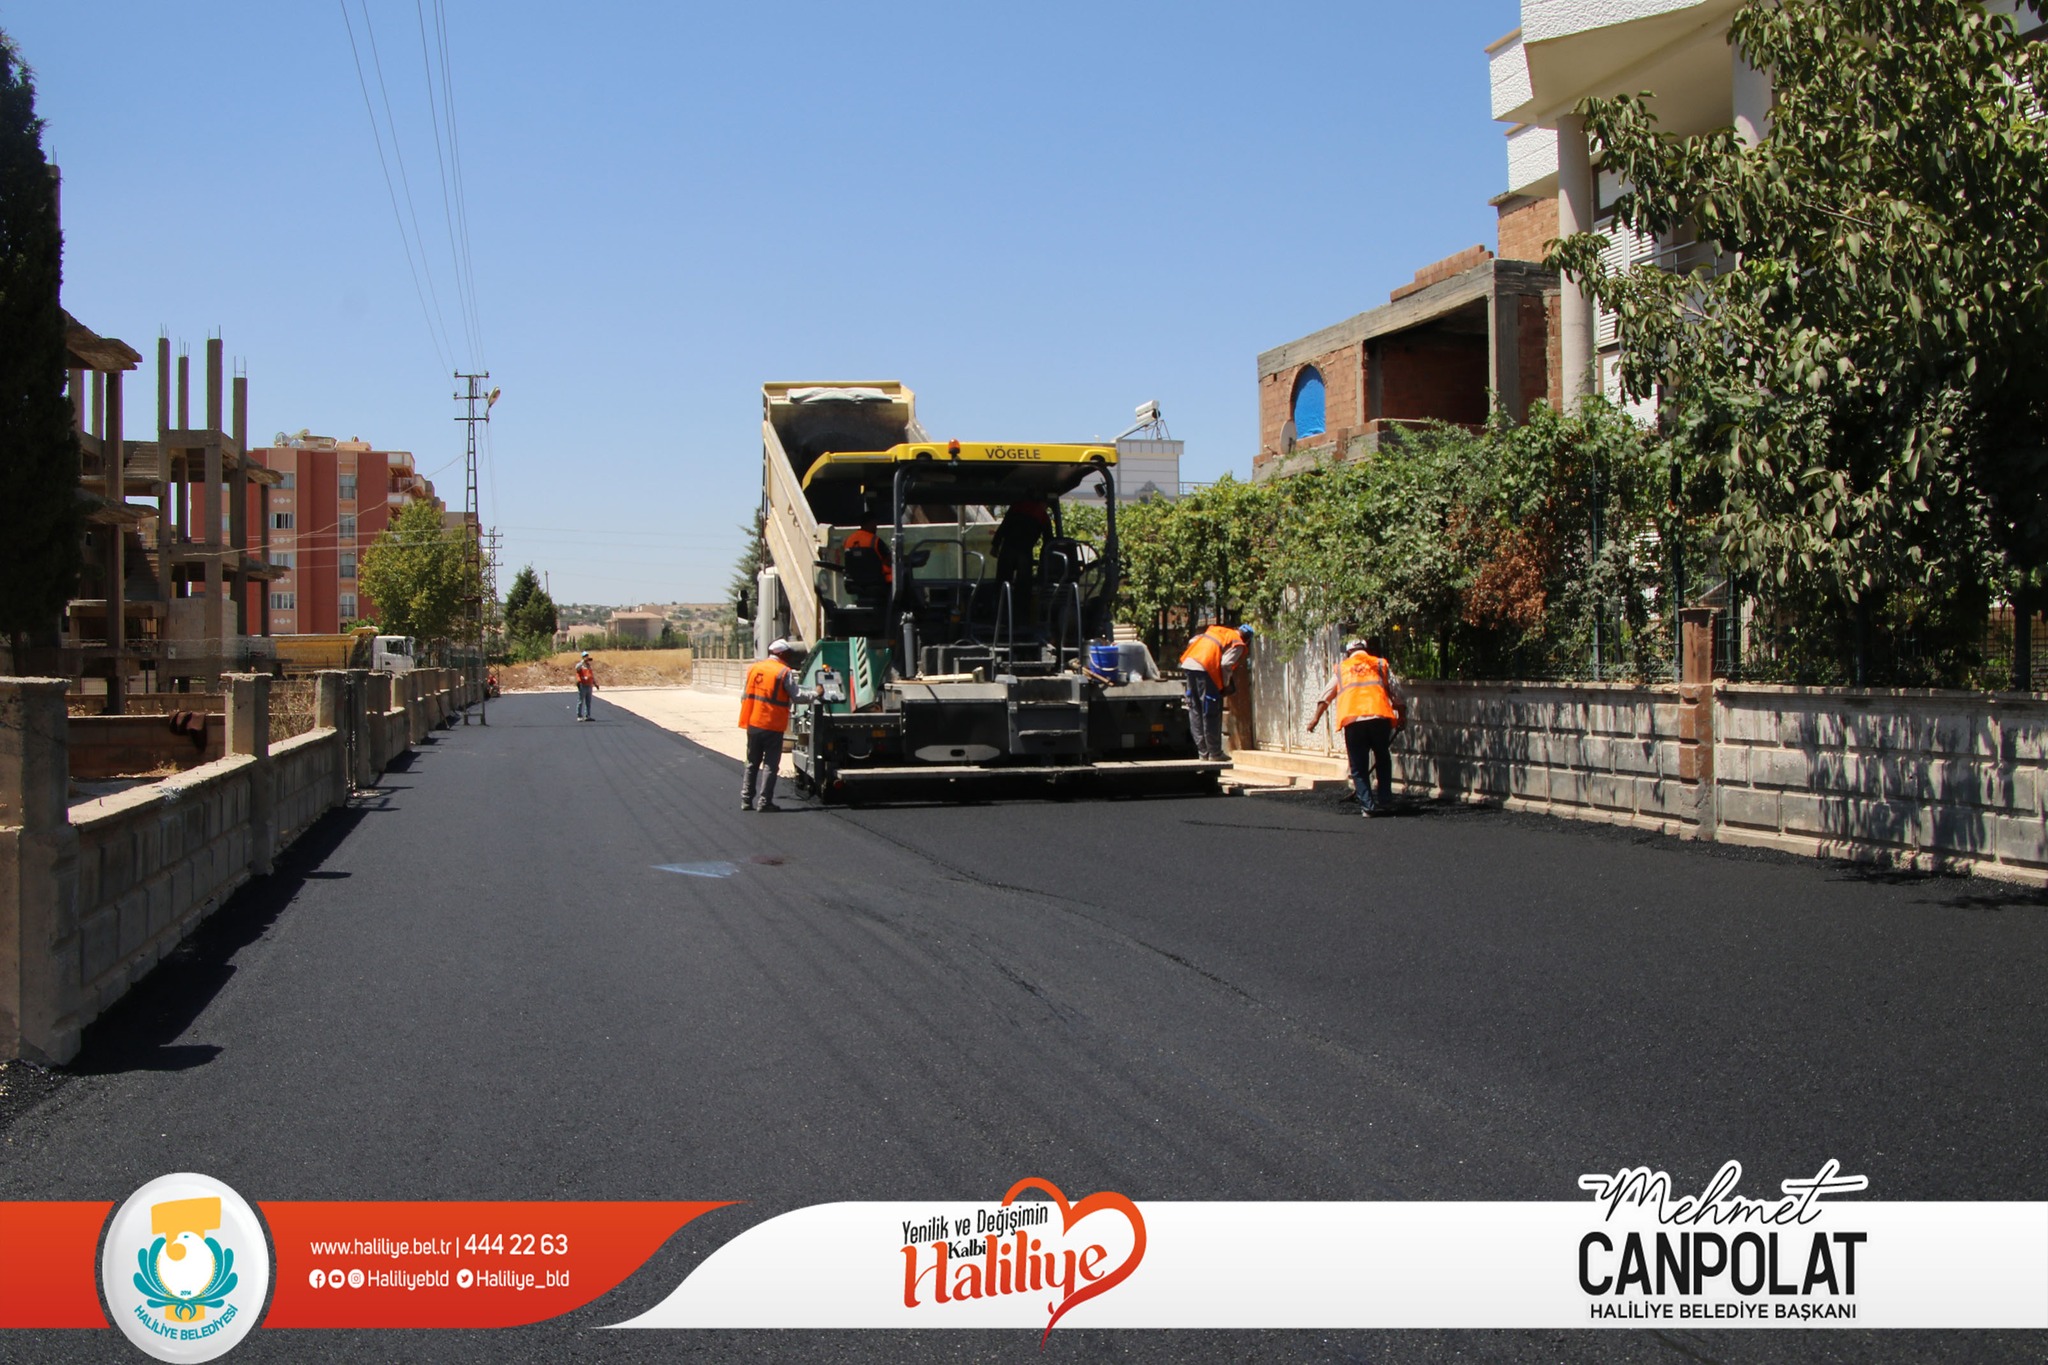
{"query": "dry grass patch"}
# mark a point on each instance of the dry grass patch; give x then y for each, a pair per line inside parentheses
(615, 668)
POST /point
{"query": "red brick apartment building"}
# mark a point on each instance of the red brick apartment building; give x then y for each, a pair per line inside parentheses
(336, 498)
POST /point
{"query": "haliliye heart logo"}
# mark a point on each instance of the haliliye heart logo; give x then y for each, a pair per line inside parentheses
(1103, 1201)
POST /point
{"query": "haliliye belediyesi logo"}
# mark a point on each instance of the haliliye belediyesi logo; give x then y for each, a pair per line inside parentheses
(185, 1268)
(1719, 1255)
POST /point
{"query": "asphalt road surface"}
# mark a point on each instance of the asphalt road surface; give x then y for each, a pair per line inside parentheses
(480, 984)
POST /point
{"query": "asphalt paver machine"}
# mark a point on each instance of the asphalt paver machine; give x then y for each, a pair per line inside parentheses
(971, 643)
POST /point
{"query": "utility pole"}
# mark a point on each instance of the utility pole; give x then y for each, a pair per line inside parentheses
(477, 564)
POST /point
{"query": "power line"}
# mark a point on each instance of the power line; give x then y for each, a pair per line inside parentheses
(455, 160)
(463, 301)
(440, 351)
(377, 62)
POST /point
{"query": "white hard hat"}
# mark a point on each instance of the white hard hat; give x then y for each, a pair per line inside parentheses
(782, 647)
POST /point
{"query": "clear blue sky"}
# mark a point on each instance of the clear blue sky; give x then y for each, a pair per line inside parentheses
(1037, 216)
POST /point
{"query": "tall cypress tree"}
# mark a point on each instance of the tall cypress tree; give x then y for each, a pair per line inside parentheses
(40, 517)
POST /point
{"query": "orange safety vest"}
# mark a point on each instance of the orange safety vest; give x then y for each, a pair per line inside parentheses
(765, 703)
(865, 539)
(1208, 649)
(584, 674)
(1362, 692)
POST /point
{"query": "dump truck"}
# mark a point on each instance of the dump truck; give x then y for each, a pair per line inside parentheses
(979, 648)
(362, 647)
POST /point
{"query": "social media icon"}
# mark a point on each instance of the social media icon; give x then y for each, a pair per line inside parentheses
(463, 1279)
(319, 1279)
(355, 1279)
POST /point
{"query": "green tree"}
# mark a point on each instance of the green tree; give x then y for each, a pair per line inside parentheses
(1854, 380)
(40, 518)
(529, 612)
(417, 574)
(1517, 550)
(746, 571)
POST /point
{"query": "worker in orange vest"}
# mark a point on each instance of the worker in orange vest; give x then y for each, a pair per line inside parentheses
(1211, 663)
(866, 539)
(1369, 710)
(586, 683)
(764, 714)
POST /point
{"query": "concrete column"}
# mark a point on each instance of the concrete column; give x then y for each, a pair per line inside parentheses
(361, 771)
(185, 391)
(1696, 715)
(1574, 214)
(165, 493)
(248, 725)
(238, 509)
(248, 707)
(1504, 351)
(213, 385)
(330, 699)
(381, 747)
(114, 453)
(330, 712)
(39, 948)
(1752, 93)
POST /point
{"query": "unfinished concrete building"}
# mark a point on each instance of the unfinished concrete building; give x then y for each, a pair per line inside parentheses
(111, 625)
(211, 570)
(1468, 334)
(172, 595)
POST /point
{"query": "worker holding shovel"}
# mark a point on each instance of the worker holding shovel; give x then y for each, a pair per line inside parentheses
(1369, 710)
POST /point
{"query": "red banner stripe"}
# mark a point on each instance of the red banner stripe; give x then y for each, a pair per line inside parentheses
(49, 1266)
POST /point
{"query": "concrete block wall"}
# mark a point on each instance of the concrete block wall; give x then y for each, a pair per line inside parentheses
(93, 895)
(152, 863)
(308, 771)
(1593, 751)
(1928, 780)
(1931, 780)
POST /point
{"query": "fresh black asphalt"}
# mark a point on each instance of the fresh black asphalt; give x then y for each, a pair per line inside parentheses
(479, 982)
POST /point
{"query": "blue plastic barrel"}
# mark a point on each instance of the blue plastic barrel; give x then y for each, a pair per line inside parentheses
(1107, 660)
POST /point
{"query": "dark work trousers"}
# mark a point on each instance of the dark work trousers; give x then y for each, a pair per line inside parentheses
(764, 755)
(1205, 713)
(1364, 740)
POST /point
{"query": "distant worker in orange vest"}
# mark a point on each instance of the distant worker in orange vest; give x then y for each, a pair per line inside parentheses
(586, 683)
(1211, 663)
(1369, 710)
(764, 714)
(866, 539)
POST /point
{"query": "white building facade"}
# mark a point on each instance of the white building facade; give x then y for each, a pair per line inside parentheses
(1566, 51)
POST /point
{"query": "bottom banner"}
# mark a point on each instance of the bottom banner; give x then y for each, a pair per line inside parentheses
(1637, 1256)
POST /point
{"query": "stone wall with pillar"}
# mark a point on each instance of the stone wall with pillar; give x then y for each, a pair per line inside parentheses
(93, 895)
(1953, 781)
(38, 875)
